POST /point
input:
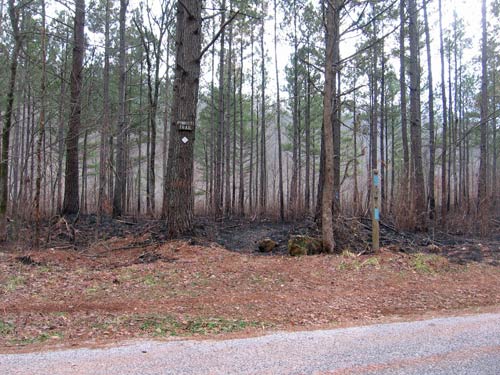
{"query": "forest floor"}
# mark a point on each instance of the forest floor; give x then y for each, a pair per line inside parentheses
(127, 281)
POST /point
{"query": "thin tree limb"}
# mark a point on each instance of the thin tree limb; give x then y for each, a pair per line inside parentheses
(216, 36)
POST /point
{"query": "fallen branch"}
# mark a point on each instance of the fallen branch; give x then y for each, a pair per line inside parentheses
(125, 222)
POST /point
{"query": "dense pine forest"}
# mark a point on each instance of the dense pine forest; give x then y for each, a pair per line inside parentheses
(280, 109)
(190, 169)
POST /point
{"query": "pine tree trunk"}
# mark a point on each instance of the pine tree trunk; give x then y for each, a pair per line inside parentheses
(241, 196)
(22, 154)
(233, 196)
(227, 126)
(7, 124)
(120, 180)
(456, 144)
(278, 121)
(14, 165)
(60, 130)
(307, 192)
(23, 195)
(181, 143)
(481, 184)
(139, 172)
(432, 151)
(212, 128)
(330, 92)
(402, 85)
(355, 198)
(41, 128)
(382, 124)
(451, 140)
(393, 160)
(218, 191)
(165, 137)
(83, 196)
(71, 197)
(257, 156)
(263, 148)
(445, 120)
(336, 130)
(415, 119)
(32, 124)
(374, 111)
(103, 198)
(250, 180)
(293, 204)
(495, 183)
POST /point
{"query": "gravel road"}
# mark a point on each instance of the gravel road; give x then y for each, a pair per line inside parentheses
(457, 345)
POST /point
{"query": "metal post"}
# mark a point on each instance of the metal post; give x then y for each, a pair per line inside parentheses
(375, 212)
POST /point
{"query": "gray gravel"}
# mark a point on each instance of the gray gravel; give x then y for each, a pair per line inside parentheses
(458, 345)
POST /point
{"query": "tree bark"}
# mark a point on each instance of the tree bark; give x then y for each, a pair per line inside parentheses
(250, 180)
(263, 148)
(165, 137)
(120, 181)
(432, 150)
(185, 100)
(41, 128)
(402, 85)
(241, 196)
(227, 125)
(71, 197)
(445, 120)
(218, 191)
(382, 125)
(481, 184)
(103, 198)
(307, 191)
(293, 204)
(278, 120)
(415, 119)
(332, 9)
(7, 124)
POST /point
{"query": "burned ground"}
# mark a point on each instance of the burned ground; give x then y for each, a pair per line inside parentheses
(127, 281)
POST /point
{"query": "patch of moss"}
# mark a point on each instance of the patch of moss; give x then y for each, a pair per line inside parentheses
(304, 245)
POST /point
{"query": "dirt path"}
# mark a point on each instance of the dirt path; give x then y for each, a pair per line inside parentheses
(458, 345)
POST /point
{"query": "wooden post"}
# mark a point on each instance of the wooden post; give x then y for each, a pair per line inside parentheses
(376, 212)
